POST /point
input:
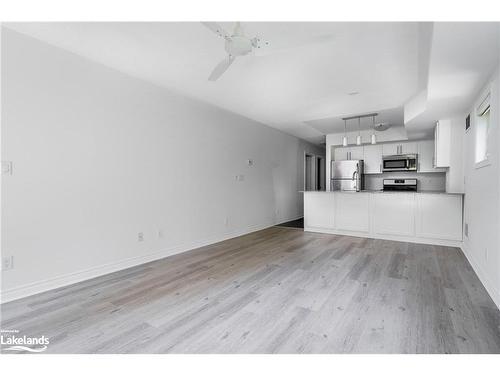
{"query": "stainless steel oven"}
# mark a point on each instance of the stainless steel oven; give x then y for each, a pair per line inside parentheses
(400, 184)
(400, 163)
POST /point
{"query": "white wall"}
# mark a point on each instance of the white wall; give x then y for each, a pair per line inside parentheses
(482, 201)
(99, 156)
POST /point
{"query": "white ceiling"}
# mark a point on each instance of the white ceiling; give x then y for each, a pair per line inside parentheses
(307, 76)
(394, 117)
(462, 57)
(302, 85)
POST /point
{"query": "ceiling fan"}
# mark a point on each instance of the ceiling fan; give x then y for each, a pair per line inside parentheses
(236, 44)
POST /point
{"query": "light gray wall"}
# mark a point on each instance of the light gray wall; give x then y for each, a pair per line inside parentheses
(99, 156)
(482, 198)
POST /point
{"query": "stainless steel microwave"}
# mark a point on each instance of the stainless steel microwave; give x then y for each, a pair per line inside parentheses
(400, 163)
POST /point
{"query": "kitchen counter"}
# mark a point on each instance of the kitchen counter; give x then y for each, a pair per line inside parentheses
(382, 191)
(432, 217)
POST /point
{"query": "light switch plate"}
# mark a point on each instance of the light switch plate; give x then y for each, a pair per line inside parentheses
(6, 168)
(7, 263)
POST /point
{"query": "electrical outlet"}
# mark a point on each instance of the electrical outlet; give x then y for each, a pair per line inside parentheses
(160, 233)
(140, 236)
(7, 263)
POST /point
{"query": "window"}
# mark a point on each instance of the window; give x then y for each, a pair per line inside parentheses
(482, 132)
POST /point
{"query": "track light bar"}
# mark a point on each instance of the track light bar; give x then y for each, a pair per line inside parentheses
(360, 116)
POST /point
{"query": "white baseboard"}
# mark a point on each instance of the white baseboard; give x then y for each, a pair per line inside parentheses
(412, 239)
(90, 273)
(483, 276)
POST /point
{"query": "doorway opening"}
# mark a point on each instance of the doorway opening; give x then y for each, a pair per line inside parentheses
(309, 172)
(320, 173)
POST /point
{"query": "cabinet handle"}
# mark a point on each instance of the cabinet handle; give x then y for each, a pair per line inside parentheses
(418, 166)
(380, 168)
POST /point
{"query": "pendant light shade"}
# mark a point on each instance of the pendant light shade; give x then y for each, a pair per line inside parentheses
(344, 138)
(374, 137)
(358, 138)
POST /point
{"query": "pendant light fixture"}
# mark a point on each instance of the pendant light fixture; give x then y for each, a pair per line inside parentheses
(374, 137)
(344, 138)
(358, 138)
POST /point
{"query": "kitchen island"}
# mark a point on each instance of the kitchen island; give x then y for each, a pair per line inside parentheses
(421, 217)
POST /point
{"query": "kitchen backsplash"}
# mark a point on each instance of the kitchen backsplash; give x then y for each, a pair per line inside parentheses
(426, 181)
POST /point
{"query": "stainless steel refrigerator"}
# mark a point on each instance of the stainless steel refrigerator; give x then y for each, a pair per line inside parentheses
(347, 175)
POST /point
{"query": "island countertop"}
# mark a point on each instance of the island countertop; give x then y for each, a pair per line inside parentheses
(432, 217)
(381, 192)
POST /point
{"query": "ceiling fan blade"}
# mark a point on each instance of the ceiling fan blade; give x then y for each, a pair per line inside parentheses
(221, 68)
(216, 28)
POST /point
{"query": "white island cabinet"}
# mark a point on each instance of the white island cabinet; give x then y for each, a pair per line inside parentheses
(439, 216)
(318, 210)
(351, 213)
(422, 217)
(393, 214)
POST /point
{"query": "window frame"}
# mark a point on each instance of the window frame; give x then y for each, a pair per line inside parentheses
(483, 106)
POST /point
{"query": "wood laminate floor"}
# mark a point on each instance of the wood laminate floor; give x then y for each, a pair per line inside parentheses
(274, 291)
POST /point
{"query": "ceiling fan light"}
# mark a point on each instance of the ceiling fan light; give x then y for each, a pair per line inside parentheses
(374, 139)
(344, 141)
(358, 140)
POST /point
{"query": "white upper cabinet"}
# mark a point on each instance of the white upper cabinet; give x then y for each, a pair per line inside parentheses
(442, 145)
(348, 153)
(356, 153)
(408, 148)
(426, 157)
(341, 153)
(401, 148)
(373, 159)
(390, 149)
